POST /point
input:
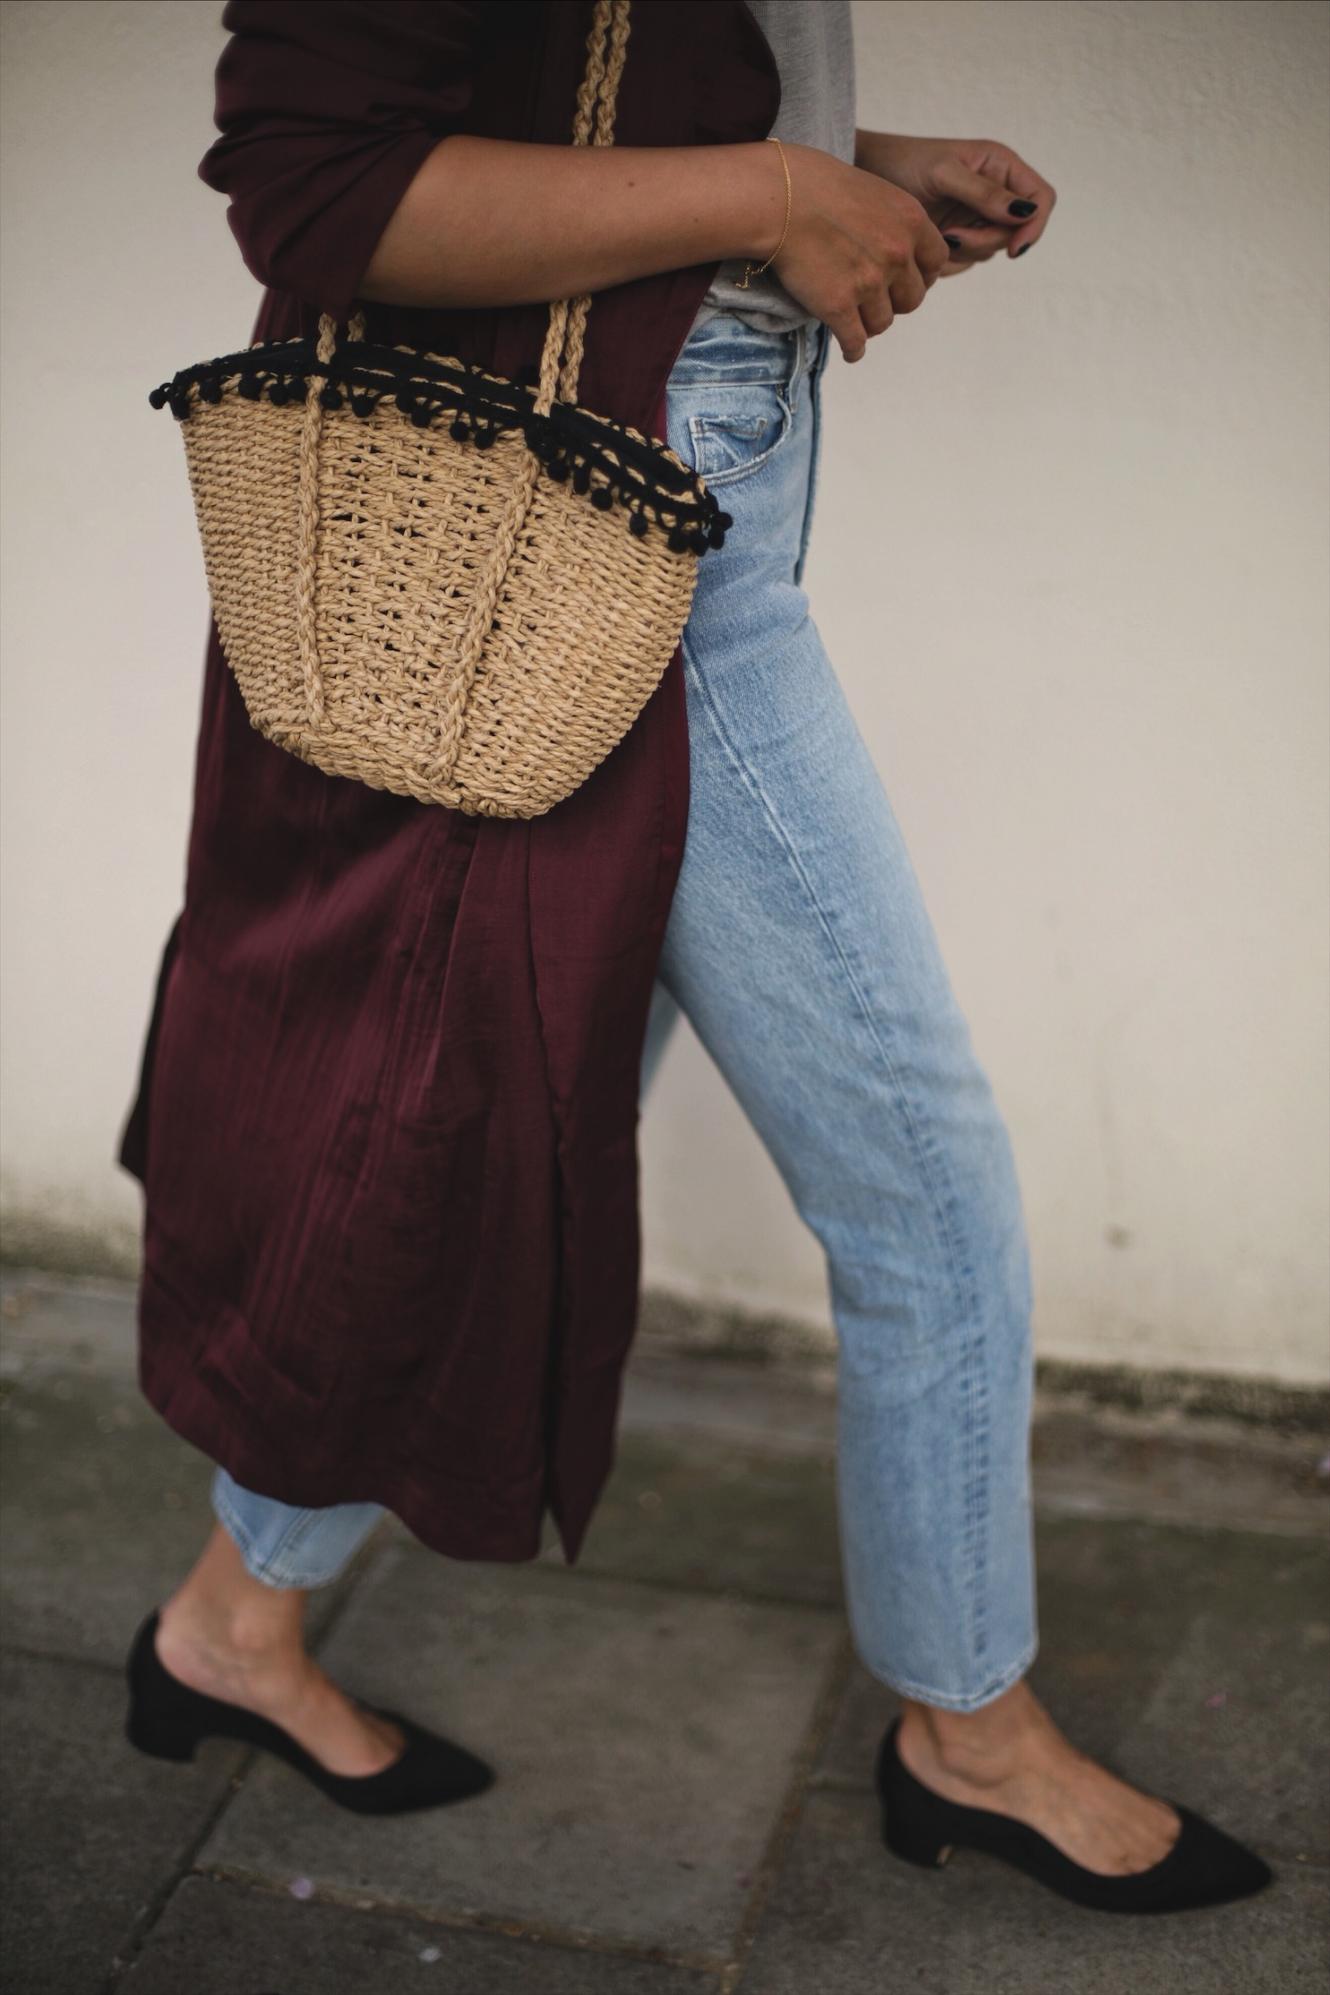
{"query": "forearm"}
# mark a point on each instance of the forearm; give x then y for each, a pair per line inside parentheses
(498, 222)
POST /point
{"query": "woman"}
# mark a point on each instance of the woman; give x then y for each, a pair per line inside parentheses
(372, 1012)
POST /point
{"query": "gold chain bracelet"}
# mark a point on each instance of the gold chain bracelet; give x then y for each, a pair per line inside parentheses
(749, 270)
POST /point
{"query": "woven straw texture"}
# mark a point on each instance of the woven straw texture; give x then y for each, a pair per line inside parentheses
(435, 609)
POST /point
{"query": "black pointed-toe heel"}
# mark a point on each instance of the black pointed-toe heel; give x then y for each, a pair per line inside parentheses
(1204, 1866)
(168, 1719)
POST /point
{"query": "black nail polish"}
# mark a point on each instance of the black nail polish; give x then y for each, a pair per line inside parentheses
(1021, 208)
(953, 242)
(1024, 246)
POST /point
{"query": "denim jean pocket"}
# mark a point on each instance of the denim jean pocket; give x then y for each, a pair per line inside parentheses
(734, 430)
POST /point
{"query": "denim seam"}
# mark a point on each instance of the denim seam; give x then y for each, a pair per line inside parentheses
(282, 1561)
(243, 1537)
(975, 1397)
(816, 369)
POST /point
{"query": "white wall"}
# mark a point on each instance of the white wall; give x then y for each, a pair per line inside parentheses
(1070, 561)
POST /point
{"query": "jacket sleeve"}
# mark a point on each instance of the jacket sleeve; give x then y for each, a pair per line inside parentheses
(327, 109)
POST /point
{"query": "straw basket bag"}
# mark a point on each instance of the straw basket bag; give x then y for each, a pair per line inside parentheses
(432, 579)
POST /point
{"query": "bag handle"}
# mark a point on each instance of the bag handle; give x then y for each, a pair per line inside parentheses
(606, 47)
(565, 337)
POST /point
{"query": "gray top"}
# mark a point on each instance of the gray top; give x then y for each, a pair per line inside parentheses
(813, 43)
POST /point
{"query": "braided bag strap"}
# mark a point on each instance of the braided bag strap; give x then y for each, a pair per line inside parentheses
(606, 51)
(560, 366)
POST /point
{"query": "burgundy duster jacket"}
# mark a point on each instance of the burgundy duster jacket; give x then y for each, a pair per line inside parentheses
(386, 1118)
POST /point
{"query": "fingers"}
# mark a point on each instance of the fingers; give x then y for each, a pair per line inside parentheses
(908, 286)
(974, 241)
(848, 329)
(1025, 184)
(932, 253)
(877, 314)
(1008, 208)
(877, 306)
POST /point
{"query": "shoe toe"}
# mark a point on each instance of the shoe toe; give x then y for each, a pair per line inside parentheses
(1217, 1867)
(431, 1766)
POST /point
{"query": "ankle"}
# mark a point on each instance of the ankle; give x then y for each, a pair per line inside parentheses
(981, 1746)
(220, 1608)
(247, 1635)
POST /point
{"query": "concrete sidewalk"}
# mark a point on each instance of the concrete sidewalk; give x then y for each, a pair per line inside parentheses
(712, 1826)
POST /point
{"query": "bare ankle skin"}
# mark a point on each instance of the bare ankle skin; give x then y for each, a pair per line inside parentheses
(984, 1745)
(221, 1607)
(226, 1634)
(1010, 1757)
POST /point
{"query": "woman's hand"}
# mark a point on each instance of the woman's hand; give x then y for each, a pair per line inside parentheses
(858, 250)
(974, 190)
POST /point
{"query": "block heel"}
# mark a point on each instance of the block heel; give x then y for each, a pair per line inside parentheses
(160, 1737)
(915, 1841)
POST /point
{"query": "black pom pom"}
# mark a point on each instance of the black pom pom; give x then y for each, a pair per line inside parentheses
(678, 540)
(363, 404)
(277, 393)
(715, 534)
(157, 399)
(249, 388)
(581, 477)
(404, 400)
(697, 540)
(602, 498)
(420, 416)
(725, 521)
(558, 468)
(638, 524)
(484, 438)
(180, 407)
(330, 397)
(210, 390)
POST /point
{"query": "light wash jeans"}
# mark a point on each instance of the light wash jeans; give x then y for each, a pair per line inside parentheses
(799, 948)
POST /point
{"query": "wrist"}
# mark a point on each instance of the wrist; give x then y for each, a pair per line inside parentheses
(873, 150)
(762, 200)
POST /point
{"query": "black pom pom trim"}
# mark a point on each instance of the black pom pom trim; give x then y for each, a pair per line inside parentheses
(606, 460)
